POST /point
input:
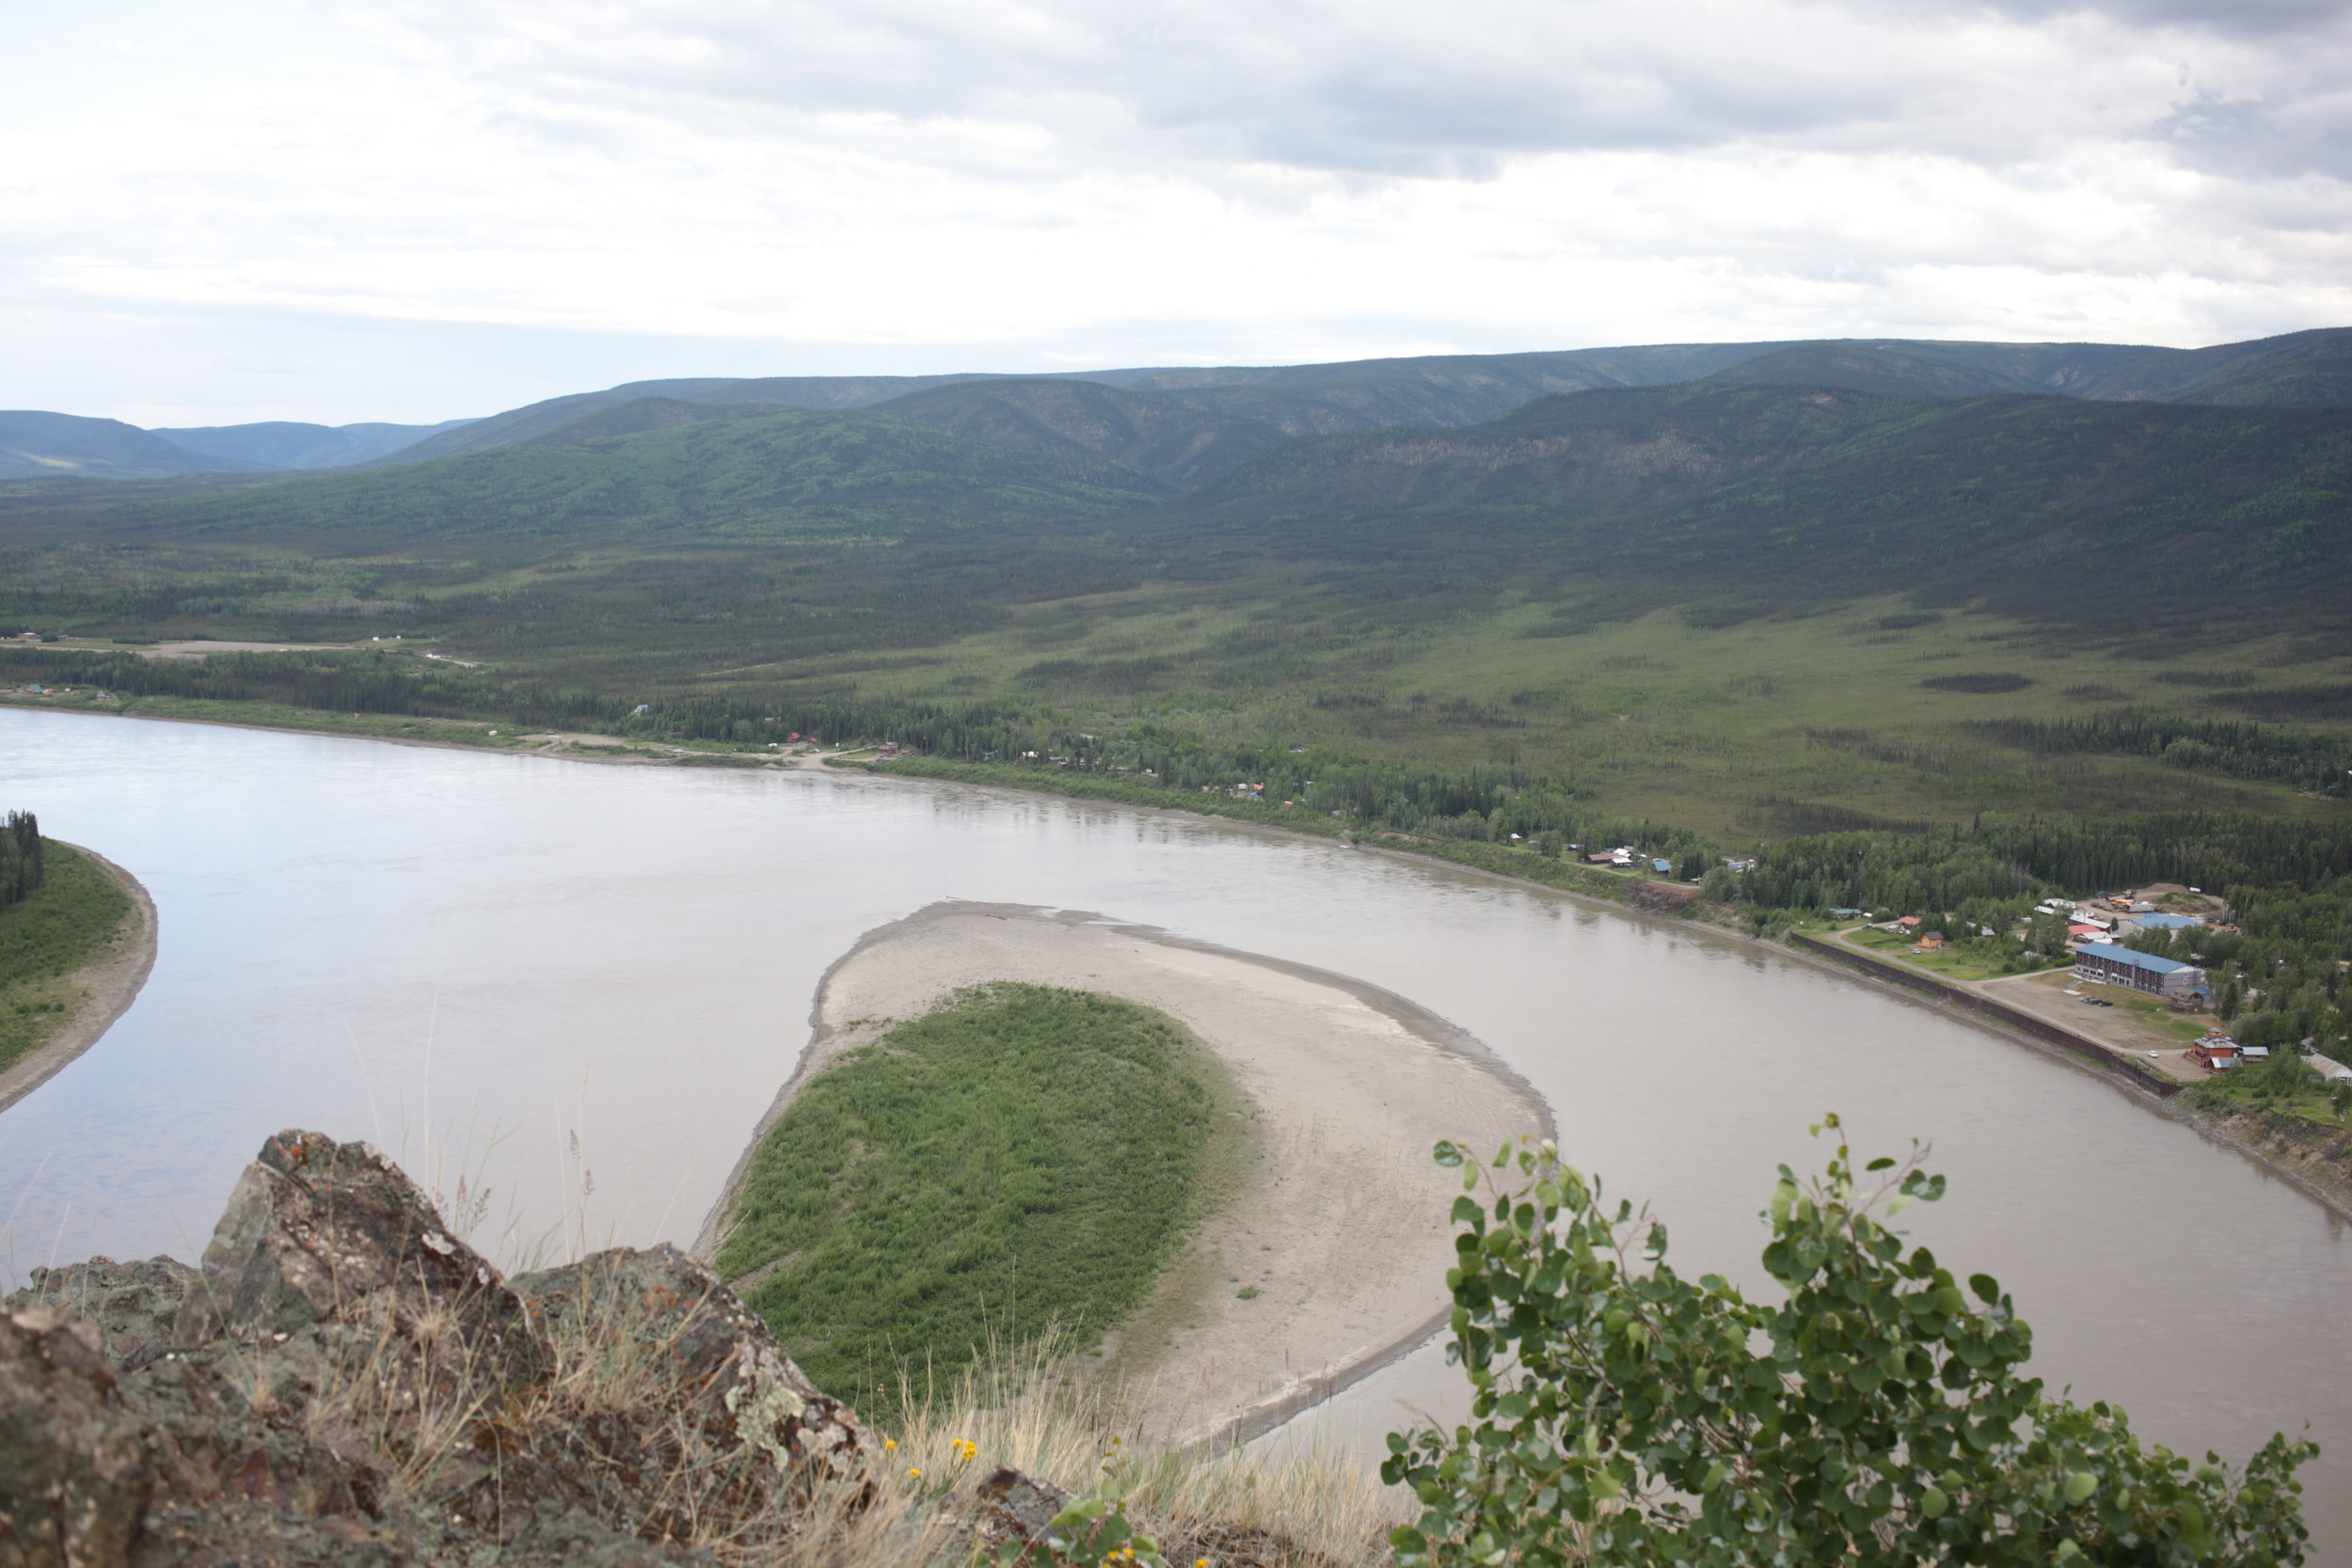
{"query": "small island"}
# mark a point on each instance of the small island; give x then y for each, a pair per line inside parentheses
(1212, 1167)
(77, 939)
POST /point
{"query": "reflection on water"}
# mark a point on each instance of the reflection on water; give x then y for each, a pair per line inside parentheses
(483, 963)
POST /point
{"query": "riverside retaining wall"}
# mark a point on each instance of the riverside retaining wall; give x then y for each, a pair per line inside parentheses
(1976, 1002)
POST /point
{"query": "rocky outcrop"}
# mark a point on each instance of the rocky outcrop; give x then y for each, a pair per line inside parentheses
(346, 1382)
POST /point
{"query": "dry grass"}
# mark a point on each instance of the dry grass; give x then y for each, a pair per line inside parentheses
(1045, 1418)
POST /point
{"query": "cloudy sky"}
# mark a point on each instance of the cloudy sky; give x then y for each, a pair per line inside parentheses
(417, 209)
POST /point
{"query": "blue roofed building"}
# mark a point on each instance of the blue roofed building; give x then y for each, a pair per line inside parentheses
(2167, 922)
(2167, 978)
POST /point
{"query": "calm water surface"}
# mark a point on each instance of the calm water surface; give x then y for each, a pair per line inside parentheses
(580, 986)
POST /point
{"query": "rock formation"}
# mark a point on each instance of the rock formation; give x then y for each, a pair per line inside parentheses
(345, 1382)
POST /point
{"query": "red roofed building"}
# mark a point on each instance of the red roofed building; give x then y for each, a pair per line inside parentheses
(2214, 1055)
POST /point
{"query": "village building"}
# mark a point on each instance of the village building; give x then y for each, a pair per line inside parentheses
(2143, 971)
(2214, 1055)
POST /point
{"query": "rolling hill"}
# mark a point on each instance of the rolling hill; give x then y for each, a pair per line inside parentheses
(741, 396)
(35, 444)
(1171, 445)
(2043, 506)
(775, 476)
(284, 444)
(1184, 426)
(2305, 370)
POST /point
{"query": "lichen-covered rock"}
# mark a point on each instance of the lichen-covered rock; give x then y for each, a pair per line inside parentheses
(1016, 1508)
(713, 1357)
(76, 1470)
(131, 1304)
(314, 1228)
(346, 1382)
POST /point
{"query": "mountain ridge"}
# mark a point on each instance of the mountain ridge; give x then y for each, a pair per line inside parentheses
(293, 445)
(1206, 420)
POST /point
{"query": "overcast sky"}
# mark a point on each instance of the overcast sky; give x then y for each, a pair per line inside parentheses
(420, 209)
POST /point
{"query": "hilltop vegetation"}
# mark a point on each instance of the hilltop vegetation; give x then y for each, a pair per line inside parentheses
(1771, 492)
(780, 476)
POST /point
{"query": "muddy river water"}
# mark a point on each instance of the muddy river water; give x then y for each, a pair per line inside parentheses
(577, 988)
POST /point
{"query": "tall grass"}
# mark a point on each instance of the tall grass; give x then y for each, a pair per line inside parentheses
(1034, 1410)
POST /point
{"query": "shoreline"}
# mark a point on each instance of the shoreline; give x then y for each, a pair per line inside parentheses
(2338, 1207)
(113, 982)
(1341, 1226)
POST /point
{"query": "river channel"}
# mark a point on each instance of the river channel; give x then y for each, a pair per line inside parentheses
(578, 986)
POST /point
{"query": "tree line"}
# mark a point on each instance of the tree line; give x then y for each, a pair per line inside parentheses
(2304, 759)
(20, 865)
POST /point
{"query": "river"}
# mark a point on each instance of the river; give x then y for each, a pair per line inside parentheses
(577, 986)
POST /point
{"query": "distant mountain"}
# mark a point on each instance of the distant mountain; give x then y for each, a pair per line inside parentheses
(738, 395)
(1200, 420)
(2302, 369)
(2093, 511)
(283, 444)
(38, 445)
(1899, 369)
(634, 417)
(778, 476)
(1168, 442)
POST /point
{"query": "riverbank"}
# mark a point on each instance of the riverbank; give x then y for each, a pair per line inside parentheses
(95, 993)
(1327, 1258)
(2315, 1161)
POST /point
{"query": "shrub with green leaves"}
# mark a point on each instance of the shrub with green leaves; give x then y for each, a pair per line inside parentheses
(1624, 1415)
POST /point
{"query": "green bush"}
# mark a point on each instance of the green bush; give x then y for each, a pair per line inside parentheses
(1622, 1415)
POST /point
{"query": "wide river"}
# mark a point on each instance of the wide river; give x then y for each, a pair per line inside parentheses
(578, 986)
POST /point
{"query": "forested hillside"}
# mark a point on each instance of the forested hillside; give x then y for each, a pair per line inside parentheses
(779, 476)
(2043, 506)
(2309, 368)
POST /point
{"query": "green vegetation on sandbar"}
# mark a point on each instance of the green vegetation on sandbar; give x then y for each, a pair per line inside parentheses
(59, 927)
(1023, 1160)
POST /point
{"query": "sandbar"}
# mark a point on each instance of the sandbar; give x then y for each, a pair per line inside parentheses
(1338, 1230)
(110, 984)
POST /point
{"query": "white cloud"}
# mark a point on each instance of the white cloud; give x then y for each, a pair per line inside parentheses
(664, 185)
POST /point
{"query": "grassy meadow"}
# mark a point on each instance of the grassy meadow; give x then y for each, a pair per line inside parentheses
(1805, 721)
(1775, 726)
(1011, 1169)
